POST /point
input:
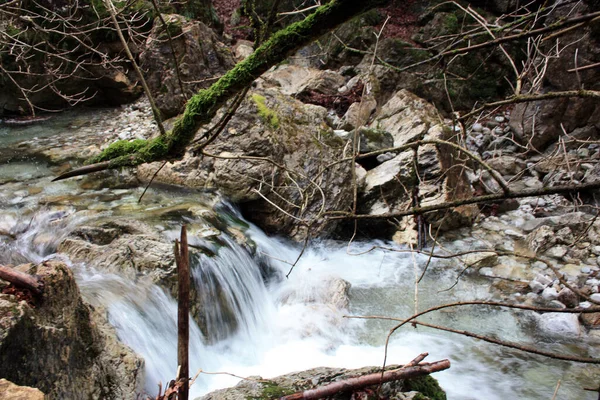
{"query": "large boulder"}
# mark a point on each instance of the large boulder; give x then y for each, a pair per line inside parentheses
(63, 346)
(200, 56)
(432, 175)
(275, 158)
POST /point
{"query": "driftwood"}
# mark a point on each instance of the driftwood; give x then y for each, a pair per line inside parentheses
(182, 259)
(22, 280)
(410, 370)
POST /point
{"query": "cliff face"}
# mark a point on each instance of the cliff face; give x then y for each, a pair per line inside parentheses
(62, 345)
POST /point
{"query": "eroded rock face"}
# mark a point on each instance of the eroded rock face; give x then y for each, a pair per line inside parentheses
(200, 54)
(64, 347)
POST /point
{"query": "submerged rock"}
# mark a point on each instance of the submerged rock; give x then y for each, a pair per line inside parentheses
(63, 346)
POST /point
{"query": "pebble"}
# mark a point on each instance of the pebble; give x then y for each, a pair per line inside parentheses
(477, 127)
(499, 119)
(595, 297)
(543, 279)
(539, 264)
(557, 251)
(498, 130)
(586, 270)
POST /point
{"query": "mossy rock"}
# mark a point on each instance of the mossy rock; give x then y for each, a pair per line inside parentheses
(426, 385)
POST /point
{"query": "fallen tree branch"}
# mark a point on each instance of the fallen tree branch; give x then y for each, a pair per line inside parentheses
(473, 200)
(407, 372)
(201, 108)
(22, 280)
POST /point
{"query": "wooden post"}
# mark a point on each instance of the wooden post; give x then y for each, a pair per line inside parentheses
(182, 259)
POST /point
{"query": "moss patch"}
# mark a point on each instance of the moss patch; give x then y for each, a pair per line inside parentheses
(266, 114)
(271, 390)
(427, 385)
(118, 149)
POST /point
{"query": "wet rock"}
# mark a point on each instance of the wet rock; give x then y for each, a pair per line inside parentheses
(63, 346)
(10, 391)
(559, 325)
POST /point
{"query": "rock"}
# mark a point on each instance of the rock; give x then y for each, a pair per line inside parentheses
(406, 116)
(243, 49)
(477, 127)
(287, 131)
(536, 287)
(540, 239)
(550, 293)
(543, 279)
(358, 113)
(507, 165)
(427, 387)
(10, 391)
(590, 320)
(480, 259)
(557, 252)
(200, 54)
(568, 298)
(559, 325)
(385, 177)
(374, 140)
(63, 346)
(595, 297)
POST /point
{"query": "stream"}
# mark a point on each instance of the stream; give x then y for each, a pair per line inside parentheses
(277, 325)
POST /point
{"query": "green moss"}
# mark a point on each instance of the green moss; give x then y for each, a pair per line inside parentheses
(271, 390)
(266, 114)
(118, 149)
(427, 385)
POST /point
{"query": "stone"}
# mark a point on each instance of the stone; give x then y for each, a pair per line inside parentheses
(358, 113)
(557, 251)
(536, 287)
(540, 239)
(243, 49)
(295, 135)
(550, 293)
(477, 127)
(559, 324)
(406, 116)
(10, 391)
(543, 279)
(384, 177)
(568, 298)
(507, 165)
(63, 346)
(374, 140)
(200, 54)
(595, 297)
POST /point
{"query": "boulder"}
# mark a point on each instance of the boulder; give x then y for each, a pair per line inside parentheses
(290, 145)
(63, 346)
(431, 174)
(426, 386)
(201, 57)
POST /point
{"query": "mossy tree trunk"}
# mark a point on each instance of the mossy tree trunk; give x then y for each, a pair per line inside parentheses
(201, 108)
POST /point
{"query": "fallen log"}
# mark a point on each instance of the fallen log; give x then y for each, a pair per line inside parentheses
(411, 370)
(22, 280)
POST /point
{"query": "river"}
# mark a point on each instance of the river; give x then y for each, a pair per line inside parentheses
(280, 325)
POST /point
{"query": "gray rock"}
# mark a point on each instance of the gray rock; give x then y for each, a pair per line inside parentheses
(595, 297)
(477, 127)
(559, 325)
(543, 279)
(557, 251)
(536, 287)
(499, 119)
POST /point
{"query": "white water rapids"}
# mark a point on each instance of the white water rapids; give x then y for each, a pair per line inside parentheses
(281, 325)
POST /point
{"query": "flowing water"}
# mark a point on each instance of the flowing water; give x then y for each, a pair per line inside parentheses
(257, 322)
